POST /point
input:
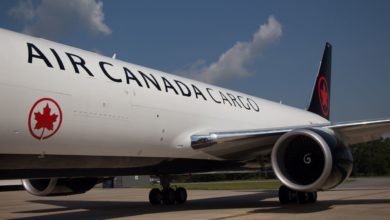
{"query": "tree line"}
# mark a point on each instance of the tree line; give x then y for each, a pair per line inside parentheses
(372, 158)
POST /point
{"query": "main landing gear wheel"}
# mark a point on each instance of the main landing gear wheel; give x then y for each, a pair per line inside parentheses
(181, 195)
(287, 195)
(312, 196)
(284, 195)
(155, 196)
(168, 195)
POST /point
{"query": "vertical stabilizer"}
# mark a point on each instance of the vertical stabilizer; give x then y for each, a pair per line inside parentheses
(320, 99)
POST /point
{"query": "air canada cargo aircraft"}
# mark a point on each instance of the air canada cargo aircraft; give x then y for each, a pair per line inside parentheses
(70, 119)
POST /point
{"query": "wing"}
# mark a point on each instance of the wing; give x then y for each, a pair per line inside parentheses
(361, 131)
(250, 144)
(239, 145)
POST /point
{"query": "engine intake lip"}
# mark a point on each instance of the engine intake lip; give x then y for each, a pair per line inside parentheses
(41, 190)
(280, 147)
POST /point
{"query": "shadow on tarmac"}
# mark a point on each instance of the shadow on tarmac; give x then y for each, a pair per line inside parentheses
(111, 209)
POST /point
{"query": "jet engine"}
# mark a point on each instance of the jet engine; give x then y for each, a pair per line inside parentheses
(58, 186)
(310, 160)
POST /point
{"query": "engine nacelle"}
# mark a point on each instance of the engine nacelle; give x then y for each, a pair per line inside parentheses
(309, 160)
(58, 186)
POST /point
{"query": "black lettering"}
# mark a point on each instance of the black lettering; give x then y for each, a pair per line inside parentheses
(180, 84)
(80, 62)
(38, 54)
(245, 106)
(216, 101)
(59, 61)
(131, 76)
(168, 85)
(101, 64)
(233, 99)
(224, 98)
(198, 92)
(153, 81)
(251, 102)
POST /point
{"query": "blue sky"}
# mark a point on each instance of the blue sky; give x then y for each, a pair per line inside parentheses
(176, 36)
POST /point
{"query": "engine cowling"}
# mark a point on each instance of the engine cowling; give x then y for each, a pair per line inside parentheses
(58, 186)
(309, 160)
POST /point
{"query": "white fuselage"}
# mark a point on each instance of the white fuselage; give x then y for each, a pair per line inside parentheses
(115, 113)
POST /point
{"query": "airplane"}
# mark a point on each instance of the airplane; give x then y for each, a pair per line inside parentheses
(71, 119)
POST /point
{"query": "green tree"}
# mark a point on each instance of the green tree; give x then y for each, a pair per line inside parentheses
(371, 159)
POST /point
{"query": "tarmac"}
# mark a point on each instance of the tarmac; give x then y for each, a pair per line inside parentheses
(367, 198)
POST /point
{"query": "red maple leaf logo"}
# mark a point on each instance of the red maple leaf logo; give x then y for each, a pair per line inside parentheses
(325, 97)
(45, 120)
(323, 92)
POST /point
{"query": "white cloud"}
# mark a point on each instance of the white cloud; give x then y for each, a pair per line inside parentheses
(234, 62)
(24, 11)
(52, 18)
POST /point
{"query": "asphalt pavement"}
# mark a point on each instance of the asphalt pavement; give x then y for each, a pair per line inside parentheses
(367, 198)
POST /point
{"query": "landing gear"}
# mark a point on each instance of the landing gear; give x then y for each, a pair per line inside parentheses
(167, 195)
(181, 195)
(312, 197)
(155, 196)
(287, 195)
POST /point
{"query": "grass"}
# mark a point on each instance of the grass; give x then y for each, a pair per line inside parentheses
(231, 185)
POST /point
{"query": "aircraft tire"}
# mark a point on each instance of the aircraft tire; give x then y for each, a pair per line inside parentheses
(303, 197)
(168, 196)
(284, 195)
(181, 195)
(155, 196)
(312, 197)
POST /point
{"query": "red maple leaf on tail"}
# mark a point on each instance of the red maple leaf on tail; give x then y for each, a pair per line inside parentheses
(45, 120)
(325, 97)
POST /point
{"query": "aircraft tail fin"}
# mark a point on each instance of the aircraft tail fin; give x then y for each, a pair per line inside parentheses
(320, 99)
